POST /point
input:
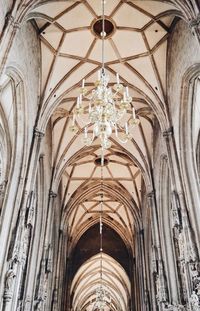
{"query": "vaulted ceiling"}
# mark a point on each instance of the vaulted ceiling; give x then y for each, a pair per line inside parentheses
(136, 48)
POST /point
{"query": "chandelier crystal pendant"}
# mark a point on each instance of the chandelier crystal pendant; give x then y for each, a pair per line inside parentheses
(107, 108)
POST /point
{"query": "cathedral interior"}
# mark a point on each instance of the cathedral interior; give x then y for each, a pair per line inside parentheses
(99, 211)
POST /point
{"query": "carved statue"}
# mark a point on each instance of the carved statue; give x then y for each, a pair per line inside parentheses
(193, 270)
(24, 245)
(10, 275)
(175, 216)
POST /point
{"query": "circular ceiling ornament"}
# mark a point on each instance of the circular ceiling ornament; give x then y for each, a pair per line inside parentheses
(97, 25)
(97, 161)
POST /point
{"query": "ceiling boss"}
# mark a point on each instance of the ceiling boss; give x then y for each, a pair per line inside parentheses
(109, 107)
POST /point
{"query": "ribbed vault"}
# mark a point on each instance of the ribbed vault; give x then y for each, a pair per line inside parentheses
(115, 282)
(136, 48)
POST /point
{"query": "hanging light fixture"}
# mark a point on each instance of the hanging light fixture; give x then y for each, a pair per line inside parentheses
(102, 296)
(107, 107)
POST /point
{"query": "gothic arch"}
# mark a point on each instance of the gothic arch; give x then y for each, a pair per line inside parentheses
(187, 147)
(17, 134)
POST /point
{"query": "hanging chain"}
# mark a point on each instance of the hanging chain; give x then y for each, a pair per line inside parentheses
(103, 36)
(101, 227)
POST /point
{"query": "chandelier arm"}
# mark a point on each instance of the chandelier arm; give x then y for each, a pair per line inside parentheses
(83, 121)
(87, 97)
(118, 138)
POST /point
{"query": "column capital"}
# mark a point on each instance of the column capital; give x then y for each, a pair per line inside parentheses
(168, 133)
(12, 21)
(150, 194)
(38, 133)
(195, 22)
(52, 194)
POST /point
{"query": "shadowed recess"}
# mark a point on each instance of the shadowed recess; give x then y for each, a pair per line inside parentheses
(89, 245)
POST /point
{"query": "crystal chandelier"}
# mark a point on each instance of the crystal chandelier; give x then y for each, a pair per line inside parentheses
(107, 107)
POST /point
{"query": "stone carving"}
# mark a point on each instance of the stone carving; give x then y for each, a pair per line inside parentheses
(30, 218)
(190, 249)
(41, 293)
(24, 245)
(194, 302)
(175, 217)
(174, 307)
(9, 280)
(160, 289)
(181, 243)
(2, 189)
(39, 305)
(10, 275)
(195, 276)
(174, 210)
